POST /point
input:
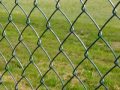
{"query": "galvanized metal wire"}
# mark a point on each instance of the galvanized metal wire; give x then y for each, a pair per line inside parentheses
(39, 45)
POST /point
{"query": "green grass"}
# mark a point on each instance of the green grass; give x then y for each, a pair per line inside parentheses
(84, 28)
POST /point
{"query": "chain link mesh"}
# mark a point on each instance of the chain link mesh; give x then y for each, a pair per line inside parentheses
(24, 45)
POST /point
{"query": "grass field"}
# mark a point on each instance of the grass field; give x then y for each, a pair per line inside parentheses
(100, 54)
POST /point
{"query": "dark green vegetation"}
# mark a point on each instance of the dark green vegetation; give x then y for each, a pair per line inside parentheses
(99, 53)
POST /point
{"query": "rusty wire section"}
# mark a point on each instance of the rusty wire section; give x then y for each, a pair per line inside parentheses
(42, 83)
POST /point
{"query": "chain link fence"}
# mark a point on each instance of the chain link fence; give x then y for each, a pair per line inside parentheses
(45, 57)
